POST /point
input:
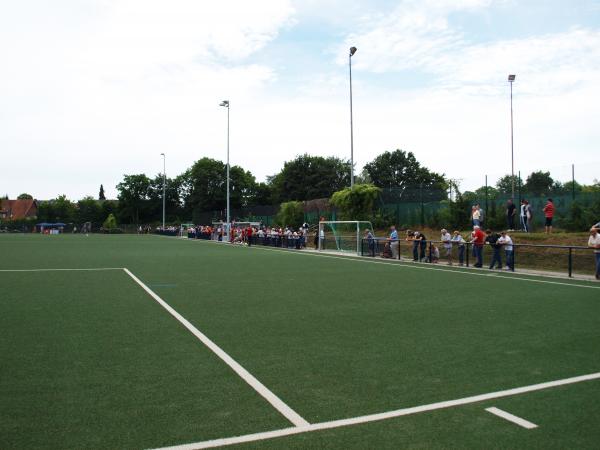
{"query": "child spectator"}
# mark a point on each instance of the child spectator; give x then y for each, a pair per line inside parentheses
(459, 241)
(435, 254)
(447, 243)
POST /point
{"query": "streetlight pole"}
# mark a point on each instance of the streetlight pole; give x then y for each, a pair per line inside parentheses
(352, 52)
(511, 80)
(164, 186)
(225, 103)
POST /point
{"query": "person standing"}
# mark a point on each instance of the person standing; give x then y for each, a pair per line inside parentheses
(420, 242)
(370, 242)
(492, 239)
(481, 215)
(394, 244)
(594, 242)
(478, 241)
(410, 237)
(529, 216)
(506, 241)
(447, 243)
(511, 211)
(475, 215)
(549, 214)
(460, 243)
(523, 215)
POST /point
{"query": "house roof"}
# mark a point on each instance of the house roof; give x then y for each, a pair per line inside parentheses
(19, 209)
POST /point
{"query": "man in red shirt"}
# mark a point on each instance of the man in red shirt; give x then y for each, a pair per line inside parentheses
(478, 241)
(549, 213)
(249, 233)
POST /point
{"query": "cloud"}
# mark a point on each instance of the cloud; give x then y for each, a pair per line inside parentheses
(419, 37)
(95, 88)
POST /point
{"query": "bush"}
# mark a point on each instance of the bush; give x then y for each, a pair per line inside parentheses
(580, 218)
(110, 222)
(290, 213)
(356, 203)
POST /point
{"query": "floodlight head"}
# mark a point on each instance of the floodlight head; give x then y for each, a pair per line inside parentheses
(162, 154)
(353, 50)
(225, 103)
(511, 78)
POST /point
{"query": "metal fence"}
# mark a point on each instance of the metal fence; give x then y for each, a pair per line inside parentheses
(559, 259)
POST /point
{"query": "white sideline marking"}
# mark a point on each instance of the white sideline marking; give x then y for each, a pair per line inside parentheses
(275, 401)
(381, 416)
(408, 265)
(511, 418)
(60, 270)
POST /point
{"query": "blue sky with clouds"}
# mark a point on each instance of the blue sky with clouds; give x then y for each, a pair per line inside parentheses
(91, 90)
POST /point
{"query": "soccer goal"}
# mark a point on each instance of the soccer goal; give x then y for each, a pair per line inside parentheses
(342, 235)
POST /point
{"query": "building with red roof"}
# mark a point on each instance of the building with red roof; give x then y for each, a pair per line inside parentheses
(18, 209)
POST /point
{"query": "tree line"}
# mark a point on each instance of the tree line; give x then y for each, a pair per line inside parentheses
(391, 177)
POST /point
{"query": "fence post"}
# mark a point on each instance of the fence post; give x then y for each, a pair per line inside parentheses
(422, 206)
(573, 181)
(487, 212)
(467, 255)
(570, 262)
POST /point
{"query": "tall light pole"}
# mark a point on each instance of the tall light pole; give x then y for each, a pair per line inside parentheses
(164, 186)
(511, 80)
(352, 52)
(225, 103)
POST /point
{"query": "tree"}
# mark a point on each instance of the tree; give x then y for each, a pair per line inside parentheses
(133, 197)
(399, 169)
(172, 199)
(310, 177)
(290, 214)
(539, 183)
(263, 195)
(59, 209)
(505, 184)
(204, 186)
(356, 203)
(101, 195)
(24, 197)
(89, 210)
(492, 192)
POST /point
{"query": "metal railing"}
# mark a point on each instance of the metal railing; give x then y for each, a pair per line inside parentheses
(571, 259)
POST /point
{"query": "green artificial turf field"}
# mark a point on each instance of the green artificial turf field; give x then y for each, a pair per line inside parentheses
(90, 359)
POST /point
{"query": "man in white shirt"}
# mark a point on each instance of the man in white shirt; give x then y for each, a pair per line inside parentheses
(447, 242)
(506, 241)
(594, 242)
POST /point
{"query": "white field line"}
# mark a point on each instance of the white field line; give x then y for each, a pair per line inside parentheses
(511, 418)
(61, 270)
(407, 265)
(275, 401)
(381, 416)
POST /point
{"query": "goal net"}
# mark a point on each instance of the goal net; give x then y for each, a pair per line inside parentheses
(342, 236)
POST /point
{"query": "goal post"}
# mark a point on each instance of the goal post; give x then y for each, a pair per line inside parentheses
(342, 235)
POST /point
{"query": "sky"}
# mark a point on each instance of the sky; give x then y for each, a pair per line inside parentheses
(93, 90)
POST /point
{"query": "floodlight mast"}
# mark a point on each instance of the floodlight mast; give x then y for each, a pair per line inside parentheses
(511, 80)
(164, 188)
(225, 103)
(352, 52)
